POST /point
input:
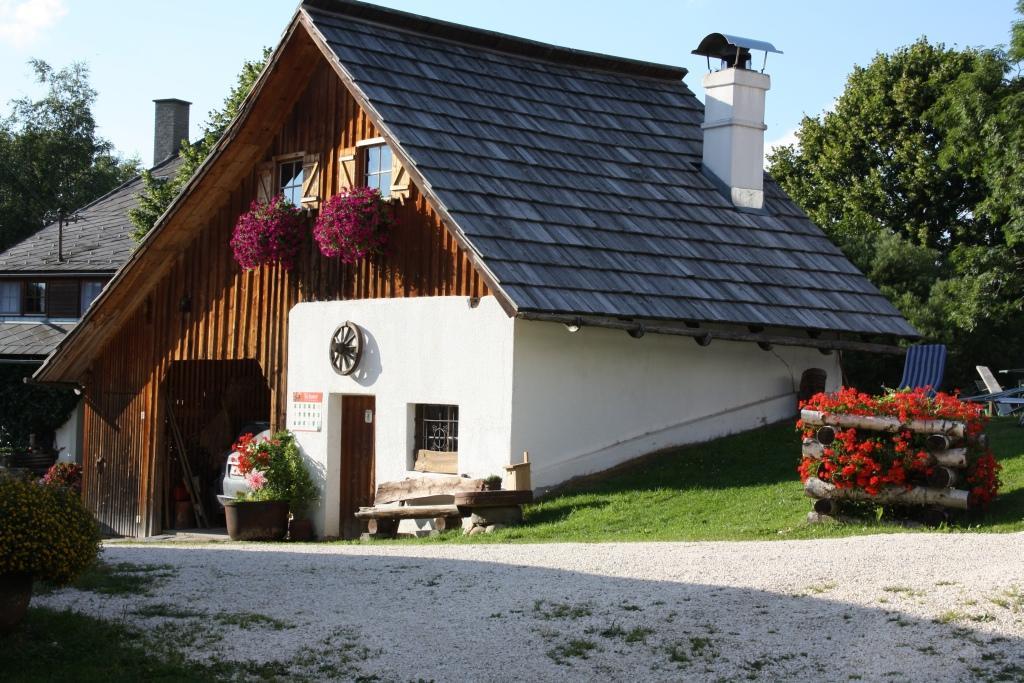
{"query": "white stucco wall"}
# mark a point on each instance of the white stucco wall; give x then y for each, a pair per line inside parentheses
(68, 437)
(420, 350)
(589, 400)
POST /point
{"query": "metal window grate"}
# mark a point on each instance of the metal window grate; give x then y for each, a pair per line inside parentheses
(437, 428)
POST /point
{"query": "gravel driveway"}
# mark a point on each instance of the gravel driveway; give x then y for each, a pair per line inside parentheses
(900, 607)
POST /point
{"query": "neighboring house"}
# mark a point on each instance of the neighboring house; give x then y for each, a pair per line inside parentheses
(50, 279)
(579, 271)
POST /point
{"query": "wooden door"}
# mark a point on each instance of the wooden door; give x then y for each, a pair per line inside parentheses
(358, 418)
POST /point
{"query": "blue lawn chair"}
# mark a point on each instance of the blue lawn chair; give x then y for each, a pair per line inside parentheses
(925, 366)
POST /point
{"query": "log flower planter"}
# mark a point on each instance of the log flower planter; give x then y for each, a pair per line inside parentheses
(903, 450)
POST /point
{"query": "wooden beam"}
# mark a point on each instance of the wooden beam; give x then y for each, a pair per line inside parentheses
(422, 487)
(709, 335)
(408, 512)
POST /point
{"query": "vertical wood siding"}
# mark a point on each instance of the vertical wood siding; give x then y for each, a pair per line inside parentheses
(206, 308)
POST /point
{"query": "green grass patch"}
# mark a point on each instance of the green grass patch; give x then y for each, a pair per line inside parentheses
(741, 487)
(52, 645)
(251, 620)
(121, 578)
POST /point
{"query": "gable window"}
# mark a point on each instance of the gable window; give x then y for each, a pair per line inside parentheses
(289, 175)
(34, 301)
(90, 290)
(437, 438)
(377, 165)
(10, 298)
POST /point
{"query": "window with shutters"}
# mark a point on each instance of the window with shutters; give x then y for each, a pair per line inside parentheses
(90, 290)
(289, 174)
(377, 168)
(10, 298)
(34, 299)
(437, 438)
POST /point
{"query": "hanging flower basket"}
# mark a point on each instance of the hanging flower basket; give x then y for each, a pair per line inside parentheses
(268, 233)
(354, 224)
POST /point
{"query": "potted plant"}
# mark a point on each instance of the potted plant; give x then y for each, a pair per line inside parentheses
(46, 534)
(279, 482)
(269, 232)
(492, 483)
(66, 474)
(354, 224)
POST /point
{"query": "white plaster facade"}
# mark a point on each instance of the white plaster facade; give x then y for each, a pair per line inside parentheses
(67, 439)
(578, 402)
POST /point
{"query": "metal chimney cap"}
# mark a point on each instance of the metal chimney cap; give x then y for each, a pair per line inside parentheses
(733, 50)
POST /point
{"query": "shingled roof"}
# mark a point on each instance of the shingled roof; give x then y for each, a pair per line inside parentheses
(100, 241)
(576, 178)
(30, 340)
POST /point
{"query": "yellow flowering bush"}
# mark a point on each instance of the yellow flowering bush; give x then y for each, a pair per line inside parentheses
(45, 531)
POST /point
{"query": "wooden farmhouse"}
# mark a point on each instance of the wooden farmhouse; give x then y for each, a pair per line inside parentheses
(579, 271)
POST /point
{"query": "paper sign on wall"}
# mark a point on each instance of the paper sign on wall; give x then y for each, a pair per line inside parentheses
(306, 412)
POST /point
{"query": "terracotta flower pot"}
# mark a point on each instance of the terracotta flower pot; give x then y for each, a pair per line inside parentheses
(256, 520)
(15, 594)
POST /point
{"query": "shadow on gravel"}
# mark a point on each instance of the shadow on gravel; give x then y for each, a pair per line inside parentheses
(401, 617)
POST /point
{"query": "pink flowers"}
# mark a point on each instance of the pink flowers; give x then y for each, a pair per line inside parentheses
(270, 232)
(256, 480)
(354, 224)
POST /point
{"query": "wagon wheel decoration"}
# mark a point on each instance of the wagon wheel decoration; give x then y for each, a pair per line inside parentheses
(346, 348)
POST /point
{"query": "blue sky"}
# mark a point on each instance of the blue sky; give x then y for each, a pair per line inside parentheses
(192, 49)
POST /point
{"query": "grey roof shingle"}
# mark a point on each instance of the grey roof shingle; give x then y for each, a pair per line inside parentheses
(99, 242)
(577, 179)
(31, 339)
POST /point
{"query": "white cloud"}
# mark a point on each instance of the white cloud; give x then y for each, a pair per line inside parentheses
(22, 21)
(788, 139)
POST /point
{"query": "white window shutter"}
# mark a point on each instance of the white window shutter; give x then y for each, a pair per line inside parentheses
(265, 182)
(347, 171)
(311, 181)
(399, 178)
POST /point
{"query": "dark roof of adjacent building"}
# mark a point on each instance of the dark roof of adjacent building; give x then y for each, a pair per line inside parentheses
(31, 339)
(576, 177)
(100, 241)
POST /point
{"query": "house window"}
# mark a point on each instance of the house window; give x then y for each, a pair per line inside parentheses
(10, 298)
(90, 290)
(34, 302)
(378, 169)
(290, 180)
(437, 438)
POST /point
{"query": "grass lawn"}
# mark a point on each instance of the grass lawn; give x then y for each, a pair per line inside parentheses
(740, 487)
(52, 645)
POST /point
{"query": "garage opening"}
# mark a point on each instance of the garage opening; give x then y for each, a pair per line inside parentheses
(210, 404)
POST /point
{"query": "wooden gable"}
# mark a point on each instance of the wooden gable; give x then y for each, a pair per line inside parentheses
(183, 300)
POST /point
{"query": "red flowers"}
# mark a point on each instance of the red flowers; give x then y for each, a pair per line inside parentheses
(269, 232)
(869, 460)
(253, 455)
(354, 224)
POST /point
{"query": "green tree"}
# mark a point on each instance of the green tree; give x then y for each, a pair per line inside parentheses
(53, 159)
(158, 193)
(918, 175)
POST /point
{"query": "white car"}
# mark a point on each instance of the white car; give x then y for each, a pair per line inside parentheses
(234, 481)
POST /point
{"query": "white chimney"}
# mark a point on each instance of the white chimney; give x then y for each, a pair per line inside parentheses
(734, 117)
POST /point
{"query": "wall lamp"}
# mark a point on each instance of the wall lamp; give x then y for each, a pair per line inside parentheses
(575, 325)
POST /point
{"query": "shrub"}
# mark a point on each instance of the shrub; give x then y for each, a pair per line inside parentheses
(66, 474)
(354, 224)
(268, 233)
(275, 470)
(45, 531)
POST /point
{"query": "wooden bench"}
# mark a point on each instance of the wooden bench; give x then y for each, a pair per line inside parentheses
(396, 500)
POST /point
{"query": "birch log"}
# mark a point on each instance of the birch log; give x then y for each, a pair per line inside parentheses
(890, 495)
(954, 457)
(884, 424)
